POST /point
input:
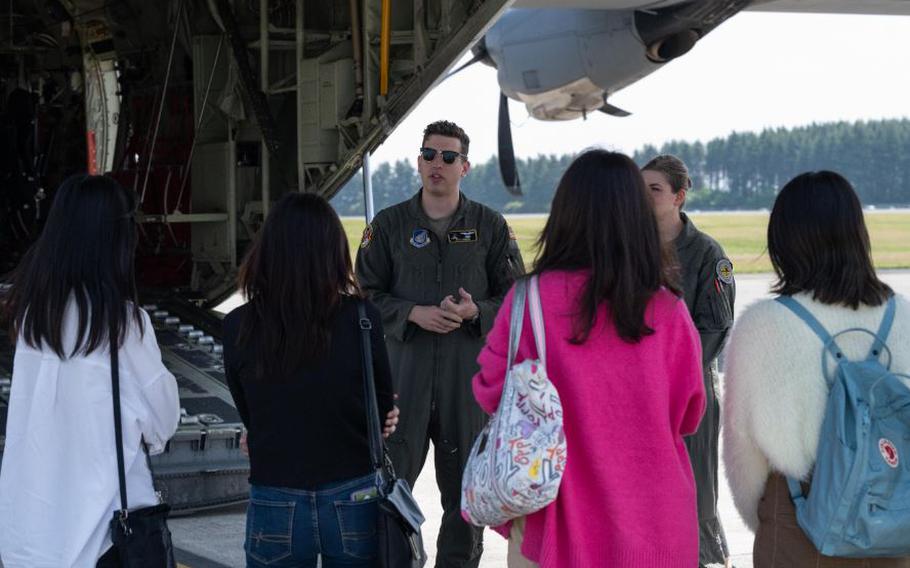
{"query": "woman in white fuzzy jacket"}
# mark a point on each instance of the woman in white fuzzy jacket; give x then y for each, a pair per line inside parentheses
(775, 392)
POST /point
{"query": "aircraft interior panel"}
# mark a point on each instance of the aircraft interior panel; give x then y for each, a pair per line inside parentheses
(210, 110)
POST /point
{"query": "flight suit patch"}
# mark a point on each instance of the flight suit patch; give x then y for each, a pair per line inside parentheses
(462, 236)
(511, 233)
(367, 237)
(420, 238)
(724, 270)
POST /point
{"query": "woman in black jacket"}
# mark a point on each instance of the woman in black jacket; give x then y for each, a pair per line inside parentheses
(293, 362)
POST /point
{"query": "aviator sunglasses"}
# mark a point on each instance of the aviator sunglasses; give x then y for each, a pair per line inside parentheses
(448, 156)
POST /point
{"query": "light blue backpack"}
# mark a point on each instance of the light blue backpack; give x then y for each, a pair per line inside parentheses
(859, 502)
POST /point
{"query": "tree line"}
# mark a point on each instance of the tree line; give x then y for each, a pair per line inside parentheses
(738, 171)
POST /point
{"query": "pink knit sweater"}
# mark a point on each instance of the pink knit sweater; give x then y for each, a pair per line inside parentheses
(628, 496)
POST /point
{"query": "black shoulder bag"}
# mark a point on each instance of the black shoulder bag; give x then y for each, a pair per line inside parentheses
(398, 526)
(141, 537)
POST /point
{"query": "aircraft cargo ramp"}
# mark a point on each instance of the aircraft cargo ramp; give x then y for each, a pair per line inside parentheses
(202, 466)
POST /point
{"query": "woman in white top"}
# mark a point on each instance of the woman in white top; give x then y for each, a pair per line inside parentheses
(775, 391)
(58, 482)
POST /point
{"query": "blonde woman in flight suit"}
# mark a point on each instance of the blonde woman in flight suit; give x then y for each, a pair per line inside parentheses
(706, 275)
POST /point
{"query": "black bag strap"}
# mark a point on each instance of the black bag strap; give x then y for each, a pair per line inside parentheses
(118, 428)
(114, 347)
(373, 422)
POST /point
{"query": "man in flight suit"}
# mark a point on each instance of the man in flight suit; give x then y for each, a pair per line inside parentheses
(438, 267)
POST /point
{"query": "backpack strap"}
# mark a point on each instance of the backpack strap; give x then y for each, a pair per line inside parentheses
(883, 330)
(796, 492)
(810, 320)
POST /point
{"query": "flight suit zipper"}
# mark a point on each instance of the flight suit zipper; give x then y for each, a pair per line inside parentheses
(437, 337)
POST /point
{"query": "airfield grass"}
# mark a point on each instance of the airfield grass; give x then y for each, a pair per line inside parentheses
(741, 234)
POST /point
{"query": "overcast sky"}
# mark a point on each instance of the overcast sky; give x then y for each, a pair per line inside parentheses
(754, 71)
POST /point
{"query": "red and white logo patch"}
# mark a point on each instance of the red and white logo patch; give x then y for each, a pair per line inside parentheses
(889, 452)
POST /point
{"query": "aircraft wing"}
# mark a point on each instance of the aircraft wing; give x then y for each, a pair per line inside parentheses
(597, 4)
(882, 7)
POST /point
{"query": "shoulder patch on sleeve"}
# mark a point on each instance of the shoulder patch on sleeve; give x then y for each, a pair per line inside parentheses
(724, 270)
(511, 232)
(367, 237)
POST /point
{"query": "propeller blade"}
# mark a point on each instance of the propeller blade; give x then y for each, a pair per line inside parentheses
(507, 166)
(481, 55)
(476, 59)
(613, 110)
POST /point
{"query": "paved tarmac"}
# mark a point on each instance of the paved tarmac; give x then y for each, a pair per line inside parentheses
(215, 539)
(218, 536)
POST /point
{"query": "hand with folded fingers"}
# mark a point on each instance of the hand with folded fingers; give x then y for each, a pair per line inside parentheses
(391, 421)
(435, 319)
(464, 306)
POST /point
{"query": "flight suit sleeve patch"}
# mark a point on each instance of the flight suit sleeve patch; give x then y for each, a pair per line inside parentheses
(511, 233)
(367, 237)
(724, 271)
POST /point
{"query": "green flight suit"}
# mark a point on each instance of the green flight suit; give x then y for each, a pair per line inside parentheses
(402, 264)
(709, 291)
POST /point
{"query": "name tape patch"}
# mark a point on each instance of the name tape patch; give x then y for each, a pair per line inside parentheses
(462, 235)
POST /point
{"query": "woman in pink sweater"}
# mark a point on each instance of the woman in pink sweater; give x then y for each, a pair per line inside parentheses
(626, 360)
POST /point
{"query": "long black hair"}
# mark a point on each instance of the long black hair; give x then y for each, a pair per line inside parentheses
(295, 276)
(85, 254)
(818, 242)
(601, 220)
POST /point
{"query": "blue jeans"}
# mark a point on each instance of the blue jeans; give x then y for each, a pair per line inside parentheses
(290, 527)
